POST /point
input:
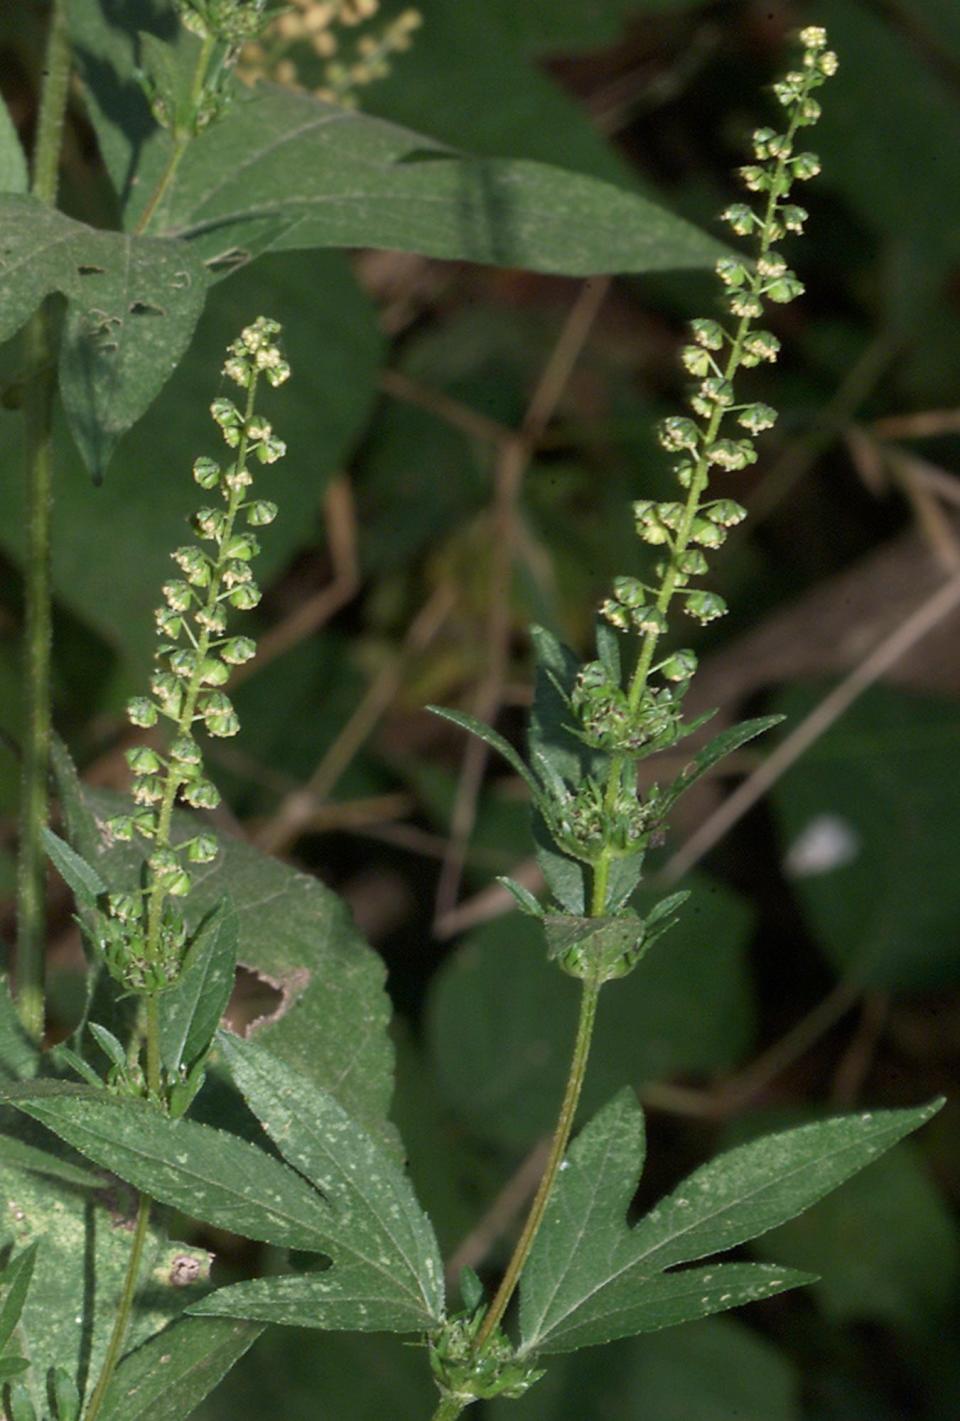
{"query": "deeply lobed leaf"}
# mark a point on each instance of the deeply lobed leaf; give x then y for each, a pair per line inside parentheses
(387, 1272)
(590, 1278)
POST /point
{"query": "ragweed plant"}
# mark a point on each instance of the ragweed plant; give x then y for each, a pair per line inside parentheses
(331, 1185)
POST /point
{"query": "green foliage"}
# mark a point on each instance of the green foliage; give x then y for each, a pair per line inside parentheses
(132, 305)
(885, 1247)
(878, 784)
(330, 1023)
(387, 1274)
(197, 177)
(706, 1371)
(13, 164)
(501, 1058)
(206, 1173)
(75, 1233)
(168, 1378)
(590, 1278)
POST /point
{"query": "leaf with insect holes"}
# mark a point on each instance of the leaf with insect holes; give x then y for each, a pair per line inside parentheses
(591, 1278)
(387, 1274)
(132, 305)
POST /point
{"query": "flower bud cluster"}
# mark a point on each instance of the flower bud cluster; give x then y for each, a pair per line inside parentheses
(225, 26)
(196, 651)
(598, 823)
(717, 436)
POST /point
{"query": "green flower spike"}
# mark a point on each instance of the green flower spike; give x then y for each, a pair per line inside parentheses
(194, 659)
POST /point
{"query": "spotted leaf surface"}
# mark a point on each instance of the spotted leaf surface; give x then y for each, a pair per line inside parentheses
(591, 1278)
(387, 1273)
(166, 1379)
(80, 1225)
(206, 1173)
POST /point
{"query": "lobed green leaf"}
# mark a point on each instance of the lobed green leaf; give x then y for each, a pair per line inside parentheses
(168, 1377)
(590, 1278)
(207, 1174)
(387, 1273)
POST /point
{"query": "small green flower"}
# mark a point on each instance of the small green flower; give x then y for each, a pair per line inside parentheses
(705, 607)
(142, 711)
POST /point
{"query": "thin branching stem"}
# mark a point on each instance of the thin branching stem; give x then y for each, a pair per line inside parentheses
(558, 1148)
(180, 141)
(121, 1322)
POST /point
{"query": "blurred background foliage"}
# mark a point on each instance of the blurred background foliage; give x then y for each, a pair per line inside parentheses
(464, 445)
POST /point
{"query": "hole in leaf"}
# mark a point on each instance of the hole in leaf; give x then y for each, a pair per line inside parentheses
(254, 1000)
(90, 270)
(145, 308)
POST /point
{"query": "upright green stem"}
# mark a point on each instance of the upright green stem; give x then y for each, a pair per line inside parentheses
(449, 1409)
(38, 448)
(121, 1321)
(558, 1148)
(53, 106)
(180, 140)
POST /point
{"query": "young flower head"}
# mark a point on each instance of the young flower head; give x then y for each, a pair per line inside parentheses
(196, 649)
(714, 439)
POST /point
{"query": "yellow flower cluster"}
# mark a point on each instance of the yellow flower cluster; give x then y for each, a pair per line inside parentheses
(313, 30)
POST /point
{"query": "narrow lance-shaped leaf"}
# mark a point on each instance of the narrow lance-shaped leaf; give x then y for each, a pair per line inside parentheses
(190, 1012)
(77, 874)
(387, 1273)
(590, 1278)
(715, 750)
(168, 1378)
(206, 1173)
(285, 170)
(15, 1282)
(494, 739)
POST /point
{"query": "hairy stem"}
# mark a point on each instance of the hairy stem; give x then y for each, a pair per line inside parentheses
(38, 449)
(121, 1322)
(558, 1148)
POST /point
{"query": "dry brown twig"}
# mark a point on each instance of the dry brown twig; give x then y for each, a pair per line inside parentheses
(512, 460)
(297, 810)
